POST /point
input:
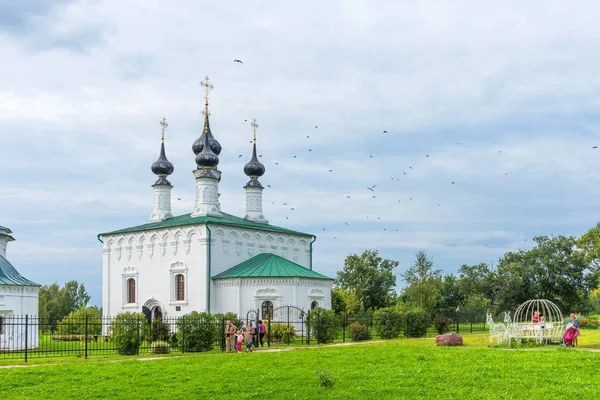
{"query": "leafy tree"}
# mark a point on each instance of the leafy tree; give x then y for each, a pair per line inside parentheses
(370, 277)
(74, 296)
(55, 303)
(344, 301)
(555, 270)
(424, 283)
(451, 295)
(589, 243)
(74, 323)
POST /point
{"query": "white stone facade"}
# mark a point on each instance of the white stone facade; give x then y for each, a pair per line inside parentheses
(254, 210)
(154, 258)
(162, 203)
(207, 192)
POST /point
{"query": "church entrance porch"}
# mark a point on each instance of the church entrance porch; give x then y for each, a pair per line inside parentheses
(153, 310)
(285, 324)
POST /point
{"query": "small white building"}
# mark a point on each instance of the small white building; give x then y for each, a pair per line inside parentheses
(209, 260)
(18, 303)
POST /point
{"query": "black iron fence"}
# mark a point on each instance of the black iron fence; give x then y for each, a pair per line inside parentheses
(27, 337)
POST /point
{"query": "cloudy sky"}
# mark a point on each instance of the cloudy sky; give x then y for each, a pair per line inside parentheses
(502, 96)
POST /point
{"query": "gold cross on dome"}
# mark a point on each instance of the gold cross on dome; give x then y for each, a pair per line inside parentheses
(163, 126)
(254, 126)
(207, 87)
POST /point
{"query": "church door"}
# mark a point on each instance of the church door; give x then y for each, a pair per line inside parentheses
(157, 313)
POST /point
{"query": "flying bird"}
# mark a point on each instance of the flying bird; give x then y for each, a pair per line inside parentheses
(384, 131)
(309, 149)
(323, 228)
(427, 155)
(316, 126)
(308, 136)
(238, 61)
(268, 185)
(294, 156)
(348, 196)
(179, 198)
(239, 156)
(346, 223)
(409, 167)
(330, 170)
(453, 182)
(594, 147)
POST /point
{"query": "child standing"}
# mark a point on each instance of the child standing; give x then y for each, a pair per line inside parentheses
(249, 334)
(239, 340)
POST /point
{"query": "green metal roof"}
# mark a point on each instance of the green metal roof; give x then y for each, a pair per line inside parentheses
(268, 265)
(10, 276)
(187, 219)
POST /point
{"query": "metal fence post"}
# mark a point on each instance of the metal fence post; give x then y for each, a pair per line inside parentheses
(457, 321)
(318, 326)
(86, 336)
(222, 335)
(138, 335)
(345, 325)
(308, 326)
(183, 334)
(389, 334)
(269, 328)
(26, 334)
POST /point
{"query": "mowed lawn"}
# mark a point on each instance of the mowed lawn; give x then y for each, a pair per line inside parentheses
(394, 369)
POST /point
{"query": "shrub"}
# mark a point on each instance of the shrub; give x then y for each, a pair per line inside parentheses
(323, 325)
(231, 316)
(593, 324)
(198, 331)
(326, 378)
(441, 323)
(282, 333)
(417, 322)
(583, 323)
(388, 322)
(74, 323)
(67, 338)
(359, 332)
(160, 347)
(128, 330)
(159, 331)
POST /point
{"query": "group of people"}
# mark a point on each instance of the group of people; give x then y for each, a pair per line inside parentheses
(571, 332)
(235, 339)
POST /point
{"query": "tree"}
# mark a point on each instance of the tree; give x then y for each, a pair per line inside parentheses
(424, 283)
(589, 243)
(451, 295)
(555, 270)
(370, 277)
(55, 302)
(74, 296)
(344, 301)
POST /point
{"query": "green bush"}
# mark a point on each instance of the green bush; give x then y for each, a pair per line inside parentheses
(326, 378)
(160, 347)
(128, 330)
(282, 333)
(74, 323)
(388, 322)
(323, 325)
(159, 331)
(233, 317)
(417, 322)
(442, 323)
(358, 332)
(67, 338)
(198, 331)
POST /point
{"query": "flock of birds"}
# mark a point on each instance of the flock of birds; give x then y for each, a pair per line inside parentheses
(371, 188)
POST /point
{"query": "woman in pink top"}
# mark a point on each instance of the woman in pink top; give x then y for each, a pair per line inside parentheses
(261, 332)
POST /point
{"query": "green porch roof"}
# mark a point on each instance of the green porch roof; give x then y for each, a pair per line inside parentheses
(10, 276)
(268, 265)
(187, 219)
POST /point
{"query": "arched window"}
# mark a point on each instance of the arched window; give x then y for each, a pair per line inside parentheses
(131, 290)
(179, 287)
(267, 310)
(314, 305)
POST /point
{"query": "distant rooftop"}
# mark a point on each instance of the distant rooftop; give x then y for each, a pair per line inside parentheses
(268, 265)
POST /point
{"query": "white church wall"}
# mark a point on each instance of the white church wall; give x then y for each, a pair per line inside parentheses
(153, 258)
(240, 295)
(232, 245)
(15, 303)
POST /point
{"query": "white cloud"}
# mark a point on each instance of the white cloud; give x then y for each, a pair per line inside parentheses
(89, 82)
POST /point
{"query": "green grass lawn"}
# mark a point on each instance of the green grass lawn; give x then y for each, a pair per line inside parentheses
(396, 369)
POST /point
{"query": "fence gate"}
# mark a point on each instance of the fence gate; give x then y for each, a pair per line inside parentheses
(287, 325)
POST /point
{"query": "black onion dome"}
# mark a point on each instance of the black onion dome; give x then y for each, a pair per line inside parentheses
(206, 158)
(198, 145)
(254, 168)
(162, 166)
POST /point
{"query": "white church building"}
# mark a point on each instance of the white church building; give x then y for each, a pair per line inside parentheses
(209, 260)
(18, 299)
